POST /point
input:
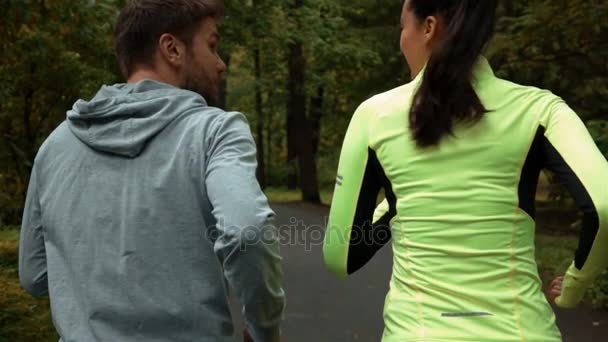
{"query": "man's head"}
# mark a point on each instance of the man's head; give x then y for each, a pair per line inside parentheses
(173, 41)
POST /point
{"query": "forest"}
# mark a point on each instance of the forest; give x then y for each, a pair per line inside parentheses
(297, 69)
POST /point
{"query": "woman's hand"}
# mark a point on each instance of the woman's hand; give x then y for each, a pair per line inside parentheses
(554, 290)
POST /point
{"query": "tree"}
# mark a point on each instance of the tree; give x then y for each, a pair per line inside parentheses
(560, 45)
(53, 52)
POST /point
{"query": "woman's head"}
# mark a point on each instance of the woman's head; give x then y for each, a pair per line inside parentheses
(448, 37)
(418, 36)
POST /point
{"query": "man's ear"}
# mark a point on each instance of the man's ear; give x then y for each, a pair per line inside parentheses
(171, 49)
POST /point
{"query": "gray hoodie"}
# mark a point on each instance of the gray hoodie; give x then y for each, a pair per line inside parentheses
(142, 210)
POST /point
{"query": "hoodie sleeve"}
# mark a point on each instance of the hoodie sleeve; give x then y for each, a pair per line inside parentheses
(247, 242)
(571, 153)
(32, 253)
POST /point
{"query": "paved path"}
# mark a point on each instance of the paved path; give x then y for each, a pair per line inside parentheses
(321, 308)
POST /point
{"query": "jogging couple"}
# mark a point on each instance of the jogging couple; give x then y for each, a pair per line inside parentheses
(139, 201)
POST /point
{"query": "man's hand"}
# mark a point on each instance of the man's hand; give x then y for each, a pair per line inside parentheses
(554, 290)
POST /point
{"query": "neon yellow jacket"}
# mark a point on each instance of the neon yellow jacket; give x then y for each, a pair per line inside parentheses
(461, 216)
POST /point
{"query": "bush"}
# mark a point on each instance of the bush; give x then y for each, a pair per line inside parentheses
(598, 293)
(599, 132)
(553, 255)
(11, 199)
(22, 317)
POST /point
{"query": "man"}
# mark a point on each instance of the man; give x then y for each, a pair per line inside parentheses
(143, 206)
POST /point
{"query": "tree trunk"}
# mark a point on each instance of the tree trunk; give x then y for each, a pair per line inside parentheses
(29, 142)
(299, 131)
(308, 172)
(269, 135)
(261, 171)
(316, 113)
(292, 167)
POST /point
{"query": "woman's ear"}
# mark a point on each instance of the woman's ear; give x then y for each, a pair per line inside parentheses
(431, 29)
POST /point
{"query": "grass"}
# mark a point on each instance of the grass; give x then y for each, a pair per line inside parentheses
(284, 195)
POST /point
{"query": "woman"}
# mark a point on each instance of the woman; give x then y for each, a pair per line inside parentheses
(458, 153)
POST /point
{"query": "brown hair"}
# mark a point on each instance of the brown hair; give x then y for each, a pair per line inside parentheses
(141, 23)
(446, 95)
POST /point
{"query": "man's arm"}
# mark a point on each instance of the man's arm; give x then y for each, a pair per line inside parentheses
(32, 254)
(247, 242)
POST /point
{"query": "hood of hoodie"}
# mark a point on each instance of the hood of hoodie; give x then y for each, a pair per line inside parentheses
(121, 119)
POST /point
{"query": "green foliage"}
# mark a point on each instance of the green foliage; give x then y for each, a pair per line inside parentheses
(22, 318)
(284, 195)
(52, 53)
(598, 293)
(599, 132)
(560, 45)
(554, 254)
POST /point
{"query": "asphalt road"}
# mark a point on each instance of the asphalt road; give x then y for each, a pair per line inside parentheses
(322, 308)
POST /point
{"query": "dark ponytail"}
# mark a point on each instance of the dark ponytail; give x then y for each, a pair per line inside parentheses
(446, 95)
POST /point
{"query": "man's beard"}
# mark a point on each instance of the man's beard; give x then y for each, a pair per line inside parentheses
(203, 87)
